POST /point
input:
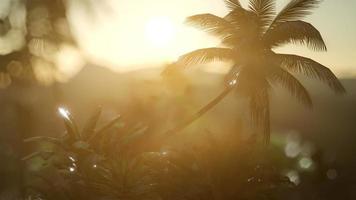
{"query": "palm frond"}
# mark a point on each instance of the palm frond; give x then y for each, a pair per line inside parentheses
(312, 69)
(260, 112)
(207, 55)
(212, 24)
(247, 24)
(265, 10)
(255, 87)
(232, 40)
(233, 4)
(285, 79)
(295, 10)
(295, 32)
(240, 17)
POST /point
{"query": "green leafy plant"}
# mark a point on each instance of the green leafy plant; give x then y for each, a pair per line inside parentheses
(92, 163)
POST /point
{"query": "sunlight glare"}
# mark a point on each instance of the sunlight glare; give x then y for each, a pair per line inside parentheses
(233, 82)
(71, 158)
(160, 31)
(63, 112)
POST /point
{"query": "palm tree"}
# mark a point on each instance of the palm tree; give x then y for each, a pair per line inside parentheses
(48, 28)
(249, 37)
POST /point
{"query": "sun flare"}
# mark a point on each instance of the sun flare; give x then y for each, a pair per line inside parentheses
(160, 31)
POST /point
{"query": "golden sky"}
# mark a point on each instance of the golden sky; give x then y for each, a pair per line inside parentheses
(140, 33)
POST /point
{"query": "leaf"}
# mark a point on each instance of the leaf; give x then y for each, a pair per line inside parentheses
(241, 19)
(45, 155)
(207, 55)
(260, 112)
(90, 126)
(295, 10)
(212, 24)
(265, 10)
(233, 4)
(82, 145)
(288, 81)
(32, 155)
(295, 32)
(134, 135)
(43, 139)
(105, 128)
(310, 68)
(52, 140)
(70, 124)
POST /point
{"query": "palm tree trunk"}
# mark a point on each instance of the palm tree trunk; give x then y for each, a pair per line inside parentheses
(202, 111)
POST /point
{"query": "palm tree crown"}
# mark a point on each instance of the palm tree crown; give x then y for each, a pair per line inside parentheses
(248, 37)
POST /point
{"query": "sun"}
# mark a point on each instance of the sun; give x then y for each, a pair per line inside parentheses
(160, 31)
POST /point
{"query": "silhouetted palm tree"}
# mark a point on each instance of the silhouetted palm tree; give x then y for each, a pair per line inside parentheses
(249, 36)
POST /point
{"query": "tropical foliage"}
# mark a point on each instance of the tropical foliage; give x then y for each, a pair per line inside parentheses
(104, 163)
(91, 163)
(249, 37)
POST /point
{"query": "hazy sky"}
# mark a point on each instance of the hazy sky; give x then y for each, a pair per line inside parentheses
(121, 38)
